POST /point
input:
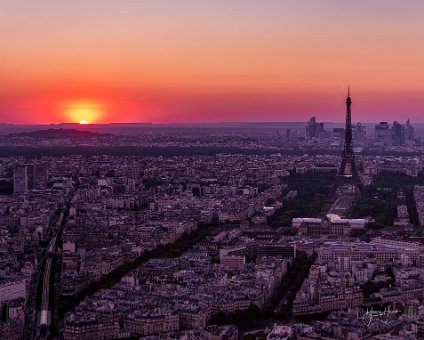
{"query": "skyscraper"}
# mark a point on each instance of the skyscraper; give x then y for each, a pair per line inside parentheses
(20, 180)
(29, 177)
(398, 134)
(409, 131)
(382, 134)
(313, 129)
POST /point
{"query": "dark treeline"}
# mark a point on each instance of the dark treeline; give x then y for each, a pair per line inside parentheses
(287, 290)
(313, 198)
(292, 282)
(371, 287)
(381, 207)
(33, 152)
(58, 151)
(176, 249)
(6, 187)
(239, 318)
(382, 198)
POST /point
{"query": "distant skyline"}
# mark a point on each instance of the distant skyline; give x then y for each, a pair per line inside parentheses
(227, 124)
(167, 61)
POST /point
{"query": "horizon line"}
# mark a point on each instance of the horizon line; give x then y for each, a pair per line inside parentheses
(196, 123)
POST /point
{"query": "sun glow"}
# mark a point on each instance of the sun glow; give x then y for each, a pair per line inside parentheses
(84, 111)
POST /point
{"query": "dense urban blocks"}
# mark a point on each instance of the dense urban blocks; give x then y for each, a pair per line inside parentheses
(201, 244)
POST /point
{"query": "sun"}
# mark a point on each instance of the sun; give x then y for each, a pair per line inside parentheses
(83, 111)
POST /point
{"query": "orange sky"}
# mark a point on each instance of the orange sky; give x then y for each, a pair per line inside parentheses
(190, 60)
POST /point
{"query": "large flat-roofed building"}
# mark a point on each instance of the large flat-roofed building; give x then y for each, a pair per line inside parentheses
(330, 225)
(12, 289)
(334, 251)
(86, 328)
(375, 169)
(152, 323)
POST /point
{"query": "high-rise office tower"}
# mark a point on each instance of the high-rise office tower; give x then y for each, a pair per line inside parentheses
(20, 180)
(382, 134)
(29, 177)
(398, 134)
(313, 129)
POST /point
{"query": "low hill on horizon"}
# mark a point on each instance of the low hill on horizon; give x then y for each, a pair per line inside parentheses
(58, 133)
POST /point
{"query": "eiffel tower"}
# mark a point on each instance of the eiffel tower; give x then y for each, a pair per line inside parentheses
(347, 179)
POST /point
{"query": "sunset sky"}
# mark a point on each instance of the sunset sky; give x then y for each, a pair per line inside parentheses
(165, 61)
